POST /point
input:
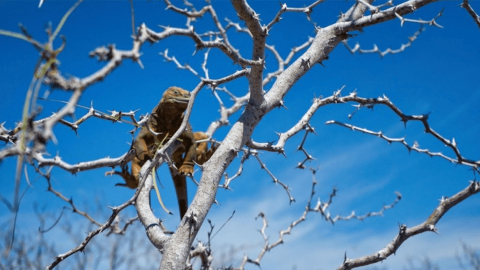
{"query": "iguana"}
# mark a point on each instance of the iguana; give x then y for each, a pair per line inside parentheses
(164, 121)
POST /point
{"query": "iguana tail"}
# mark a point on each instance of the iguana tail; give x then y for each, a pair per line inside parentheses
(180, 182)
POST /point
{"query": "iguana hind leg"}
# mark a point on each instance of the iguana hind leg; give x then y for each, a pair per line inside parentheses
(131, 180)
(202, 151)
(179, 179)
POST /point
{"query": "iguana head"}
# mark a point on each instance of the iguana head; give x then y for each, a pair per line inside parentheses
(175, 97)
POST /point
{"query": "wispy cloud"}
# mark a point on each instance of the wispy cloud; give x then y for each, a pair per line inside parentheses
(319, 245)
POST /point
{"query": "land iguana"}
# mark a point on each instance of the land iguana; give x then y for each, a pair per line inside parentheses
(164, 121)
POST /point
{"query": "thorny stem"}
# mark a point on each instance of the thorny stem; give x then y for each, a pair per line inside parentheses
(405, 233)
(321, 208)
(367, 102)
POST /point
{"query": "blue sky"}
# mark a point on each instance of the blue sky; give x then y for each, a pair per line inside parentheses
(438, 74)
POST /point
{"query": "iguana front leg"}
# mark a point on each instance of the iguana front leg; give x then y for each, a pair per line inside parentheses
(188, 141)
(142, 144)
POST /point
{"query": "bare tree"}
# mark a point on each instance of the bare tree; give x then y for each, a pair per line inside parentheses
(471, 258)
(264, 91)
(34, 250)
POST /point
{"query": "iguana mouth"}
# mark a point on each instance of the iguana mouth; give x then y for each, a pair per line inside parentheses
(179, 100)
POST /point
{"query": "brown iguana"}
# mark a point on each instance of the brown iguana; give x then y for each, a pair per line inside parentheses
(164, 121)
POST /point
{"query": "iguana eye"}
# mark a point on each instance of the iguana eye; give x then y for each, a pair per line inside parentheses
(175, 92)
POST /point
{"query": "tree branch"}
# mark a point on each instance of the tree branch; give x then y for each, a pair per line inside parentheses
(397, 11)
(466, 5)
(386, 51)
(404, 233)
(259, 34)
(319, 208)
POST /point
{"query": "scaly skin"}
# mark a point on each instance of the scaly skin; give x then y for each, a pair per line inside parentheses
(180, 180)
(164, 121)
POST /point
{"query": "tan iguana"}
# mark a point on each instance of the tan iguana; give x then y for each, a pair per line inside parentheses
(164, 121)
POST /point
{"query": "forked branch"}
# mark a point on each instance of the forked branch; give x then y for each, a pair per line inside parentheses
(405, 233)
(320, 208)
